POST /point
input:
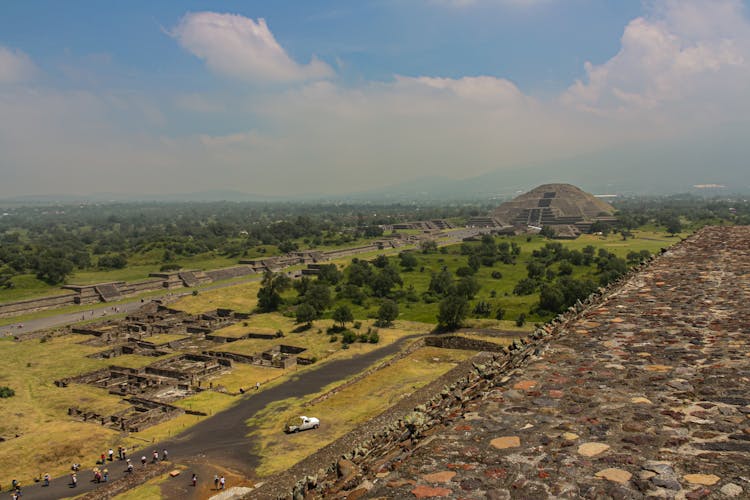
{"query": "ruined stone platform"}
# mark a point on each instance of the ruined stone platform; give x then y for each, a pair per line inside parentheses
(646, 395)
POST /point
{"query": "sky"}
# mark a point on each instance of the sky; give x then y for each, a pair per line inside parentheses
(281, 97)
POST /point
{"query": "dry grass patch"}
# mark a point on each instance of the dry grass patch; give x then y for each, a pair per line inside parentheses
(164, 338)
(503, 341)
(241, 297)
(245, 376)
(346, 409)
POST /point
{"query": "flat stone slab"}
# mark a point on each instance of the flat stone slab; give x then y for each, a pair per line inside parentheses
(506, 442)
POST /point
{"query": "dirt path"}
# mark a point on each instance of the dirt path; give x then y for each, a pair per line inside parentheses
(220, 442)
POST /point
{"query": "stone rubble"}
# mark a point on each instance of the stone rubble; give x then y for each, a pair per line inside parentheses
(641, 392)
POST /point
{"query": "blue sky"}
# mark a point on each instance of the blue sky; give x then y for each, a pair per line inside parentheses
(286, 97)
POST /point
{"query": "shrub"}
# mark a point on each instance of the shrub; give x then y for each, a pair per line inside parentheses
(334, 338)
(357, 325)
(348, 337)
(6, 392)
(374, 337)
(521, 320)
(497, 275)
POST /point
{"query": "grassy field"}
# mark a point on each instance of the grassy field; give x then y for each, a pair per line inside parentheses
(343, 411)
(241, 297)
(47, 439)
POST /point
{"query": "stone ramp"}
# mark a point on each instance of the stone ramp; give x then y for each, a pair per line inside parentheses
(642, 395)
(193, 278)
(108, 292)
(645, 395)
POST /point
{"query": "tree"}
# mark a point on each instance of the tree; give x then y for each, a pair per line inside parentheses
(547, 232)
(526, 286)
(408, 260)
(551, 298)
(53, 270)
(468, 287)
(319, 297)
(330, 274)
(387, 313)
(452, 311)
(306, 314)
(269, 295)
(385, 280)
(474, 262)
(343, 315)
(428, 246)
(673, 225)
(441, 283)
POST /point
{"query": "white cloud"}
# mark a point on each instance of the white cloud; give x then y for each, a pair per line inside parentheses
(686, 53)
(238, 47)
(15, 66)
(468, 3)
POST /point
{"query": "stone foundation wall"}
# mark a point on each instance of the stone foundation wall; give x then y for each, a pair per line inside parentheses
(458, 342)
(27, 306)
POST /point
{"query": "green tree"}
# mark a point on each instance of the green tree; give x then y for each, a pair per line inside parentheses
(408, 260)
(387, 313)
(343, 315)
(53, 270)
(330, 274)
(551, 298)
(441, 283)
(468, 287)
(452, 311)
(269, 295)
(306, 314)
(319, 297)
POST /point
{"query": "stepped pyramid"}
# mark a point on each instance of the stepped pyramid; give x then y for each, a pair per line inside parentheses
(555, 205)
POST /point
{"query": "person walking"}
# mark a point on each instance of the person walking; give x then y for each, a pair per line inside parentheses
(74, 480)
(106, 475)
(46, 479)
(222, 482)
(155, 457)
(216, 481)
(164, 455)
(194, 479)
(143, 460)
(111, 454)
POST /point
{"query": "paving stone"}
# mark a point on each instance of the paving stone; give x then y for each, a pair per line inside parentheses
(592, 449)
(422, 491)
(439, 477)
(704, 479)
(506, 442)
(615, 475)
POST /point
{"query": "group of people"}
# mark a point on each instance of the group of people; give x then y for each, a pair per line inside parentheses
(102, 474)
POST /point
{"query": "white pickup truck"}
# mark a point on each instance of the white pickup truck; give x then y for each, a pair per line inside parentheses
(301, 423)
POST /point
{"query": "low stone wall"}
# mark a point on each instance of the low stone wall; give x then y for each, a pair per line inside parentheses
(33, 305)
(458, 342)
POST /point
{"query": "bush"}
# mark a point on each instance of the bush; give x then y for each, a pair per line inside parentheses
(357, 325)
(348, 337)
(334, 338)
(6, 392)
(500, 314)
(497, 275)
(374, 337)
(521, 320)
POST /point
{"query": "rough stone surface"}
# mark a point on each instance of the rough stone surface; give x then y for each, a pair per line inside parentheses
(675, 333)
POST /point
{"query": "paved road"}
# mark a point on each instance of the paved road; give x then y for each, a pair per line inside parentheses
(221, 440)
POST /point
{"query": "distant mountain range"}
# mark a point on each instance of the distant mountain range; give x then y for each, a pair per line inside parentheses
(664, 168)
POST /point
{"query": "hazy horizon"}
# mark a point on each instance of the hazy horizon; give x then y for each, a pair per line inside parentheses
(337, 98)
